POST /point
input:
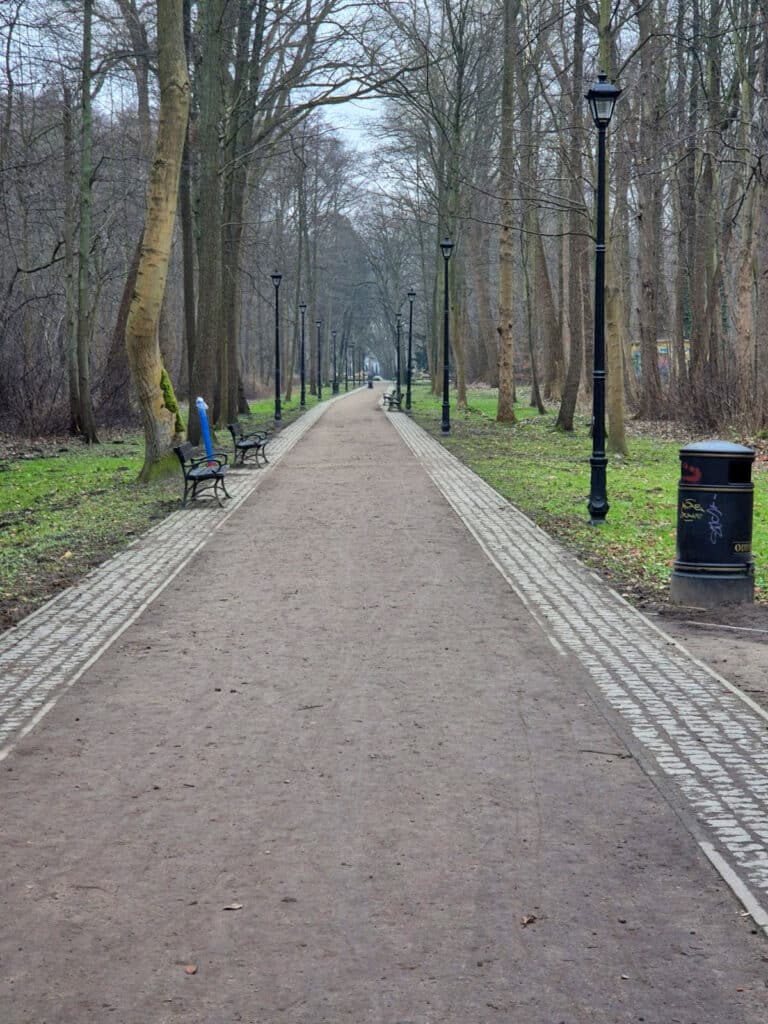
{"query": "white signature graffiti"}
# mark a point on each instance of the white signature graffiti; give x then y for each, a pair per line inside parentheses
(715, 521)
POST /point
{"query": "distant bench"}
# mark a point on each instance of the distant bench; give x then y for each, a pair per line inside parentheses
(392, 399)
(254, 443)
(201, 473)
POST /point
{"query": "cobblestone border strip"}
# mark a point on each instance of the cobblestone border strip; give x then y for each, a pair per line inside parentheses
(48, 651)
(707, 738)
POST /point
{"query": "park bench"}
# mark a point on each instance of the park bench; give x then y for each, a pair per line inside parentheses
(200, 472)
(392, 399)
(245, 444)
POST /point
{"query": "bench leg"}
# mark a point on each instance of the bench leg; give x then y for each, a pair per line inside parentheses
(219, 482)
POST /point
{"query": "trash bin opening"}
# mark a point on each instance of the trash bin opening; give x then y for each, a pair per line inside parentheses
(739, 471)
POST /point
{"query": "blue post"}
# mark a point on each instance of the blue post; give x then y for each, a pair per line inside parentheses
(205, 429)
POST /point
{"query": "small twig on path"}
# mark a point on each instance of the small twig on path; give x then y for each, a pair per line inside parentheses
(607, 753)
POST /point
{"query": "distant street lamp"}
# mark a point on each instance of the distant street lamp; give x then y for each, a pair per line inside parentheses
(303, 400)
(602, 101)
(335, 386)
(397, 382)
(411, 297)
(447, 247)
(276, 279)
(346, 366)
(319, 324)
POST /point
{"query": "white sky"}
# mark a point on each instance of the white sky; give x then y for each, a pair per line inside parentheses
(353, 120)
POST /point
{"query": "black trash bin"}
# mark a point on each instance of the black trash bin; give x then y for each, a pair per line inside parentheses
(714, 563)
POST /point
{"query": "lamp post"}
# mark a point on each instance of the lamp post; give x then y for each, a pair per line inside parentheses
(397, 382)
(319, 324)
(276, 279)
(445, 426)
(346, 366)
(303, 400)
(335, 385)
(411, 297)
(602, 100)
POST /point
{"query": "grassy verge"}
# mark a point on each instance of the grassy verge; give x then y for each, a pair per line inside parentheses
(262, 415)
(62, 514)
(545, 473)
(66, 509)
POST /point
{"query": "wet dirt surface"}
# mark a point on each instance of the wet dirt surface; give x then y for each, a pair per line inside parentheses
(733, 640)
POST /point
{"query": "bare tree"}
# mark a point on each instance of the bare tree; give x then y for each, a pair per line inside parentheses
(156, 400)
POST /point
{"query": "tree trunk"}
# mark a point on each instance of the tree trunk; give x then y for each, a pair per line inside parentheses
(458, 308)
(614, 394)
(505, 411)
(574, 299)
(116, 389)
(70, 262)
(649, 217)
(187, 226)
(156, 400)
(209, 345)
(488, 349)
(548, 326)
(85, 421)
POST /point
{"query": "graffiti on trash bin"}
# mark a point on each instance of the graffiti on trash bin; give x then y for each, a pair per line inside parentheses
(691, 474)
(691, 510)
(715, 521)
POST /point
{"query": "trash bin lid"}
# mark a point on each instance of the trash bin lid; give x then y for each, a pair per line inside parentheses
(722, 448)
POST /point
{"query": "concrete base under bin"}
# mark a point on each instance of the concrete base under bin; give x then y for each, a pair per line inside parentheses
(705, 591)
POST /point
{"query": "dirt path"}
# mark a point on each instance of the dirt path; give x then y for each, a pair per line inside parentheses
(340, 721)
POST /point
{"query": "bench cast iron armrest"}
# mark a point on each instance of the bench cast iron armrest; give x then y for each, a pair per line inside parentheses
(220, 458)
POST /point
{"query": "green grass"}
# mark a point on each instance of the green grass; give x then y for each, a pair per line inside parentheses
(263, 411)
(545, 473)
(61, 515)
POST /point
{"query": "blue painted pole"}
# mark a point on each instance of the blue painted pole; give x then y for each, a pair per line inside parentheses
(204, 428)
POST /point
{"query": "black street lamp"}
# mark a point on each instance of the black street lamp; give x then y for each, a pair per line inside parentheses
(346, 366)
(303, 400)
(397, 388)
(411, 297)
(447, 247)
(602, 100)
(319, 324)
(335, 386)
(276, 279)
